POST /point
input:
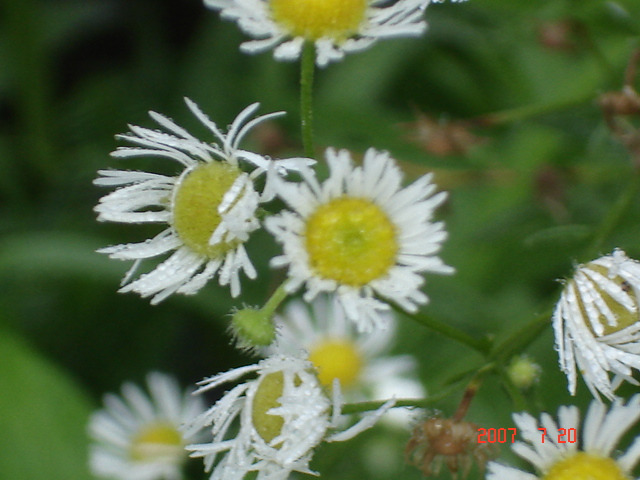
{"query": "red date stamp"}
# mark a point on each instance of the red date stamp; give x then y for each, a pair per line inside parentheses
(505, 435)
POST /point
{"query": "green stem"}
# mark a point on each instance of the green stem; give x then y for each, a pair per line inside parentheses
(473, 372)
(613, 217)
(307, 66)
(420, 402)
(274, 301)
(358, 407)
(518, 399)
(528, 111)
(479, 344)
(519, 340)
(28, 63)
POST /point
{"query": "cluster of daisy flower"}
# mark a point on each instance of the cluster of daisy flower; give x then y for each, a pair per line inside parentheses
(270, 423)
(359, 234)
(597, 333)
(353, 245)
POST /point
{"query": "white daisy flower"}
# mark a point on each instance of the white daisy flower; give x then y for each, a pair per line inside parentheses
(210, 208)
(335, 27)
(596, 323)
(569, 451)
(360, 234)
(283, 415)
(137, 437)
(338, 352)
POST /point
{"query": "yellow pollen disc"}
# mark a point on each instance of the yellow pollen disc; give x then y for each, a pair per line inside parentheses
(195, 206)
(584, 466)
(156, 441)
(334, 358)
(351, 241)
(267, 395)
(623, 316)
(314, 19)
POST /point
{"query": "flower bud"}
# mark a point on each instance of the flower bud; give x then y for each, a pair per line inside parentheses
(523, 372)
(252, 328)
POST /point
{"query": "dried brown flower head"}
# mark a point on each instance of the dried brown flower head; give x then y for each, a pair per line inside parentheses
(441, 137)
(621, 110)
(453, 442)
(560, 35)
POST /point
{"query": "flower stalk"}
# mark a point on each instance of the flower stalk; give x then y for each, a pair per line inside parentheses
(613, 217)
(274, 301)
(307, 68)
(481, 345)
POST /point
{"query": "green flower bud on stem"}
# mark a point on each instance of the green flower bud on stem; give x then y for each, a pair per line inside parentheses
(523, 372)
(253, 328)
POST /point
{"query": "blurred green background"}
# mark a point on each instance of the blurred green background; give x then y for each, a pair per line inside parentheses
(525, 193)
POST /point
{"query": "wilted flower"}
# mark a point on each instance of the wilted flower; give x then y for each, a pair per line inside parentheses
(209, 209)
(596, 323)
(441, 137)
(283, 415)
(450, 441)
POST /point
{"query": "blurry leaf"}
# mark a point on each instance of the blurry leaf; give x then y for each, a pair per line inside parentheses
(561, 234)
(8, 186)
(622, 15)
(55, 254)
(364, 77)
(42, 417)
(70, 18)
(216, 75)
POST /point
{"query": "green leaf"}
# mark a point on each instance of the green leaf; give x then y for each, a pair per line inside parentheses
(56, 255)
(43, 417)
(565, 234)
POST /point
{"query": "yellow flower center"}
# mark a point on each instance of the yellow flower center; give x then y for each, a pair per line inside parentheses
(157, 441)
(623, 316)
(351, 241)
(584, 466)
(195, 206)
(336, 358)
(314, 19)
(267, 397)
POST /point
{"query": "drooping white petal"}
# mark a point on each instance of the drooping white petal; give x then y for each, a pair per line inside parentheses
(593, 300)
(307, 417)
(142, 197)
